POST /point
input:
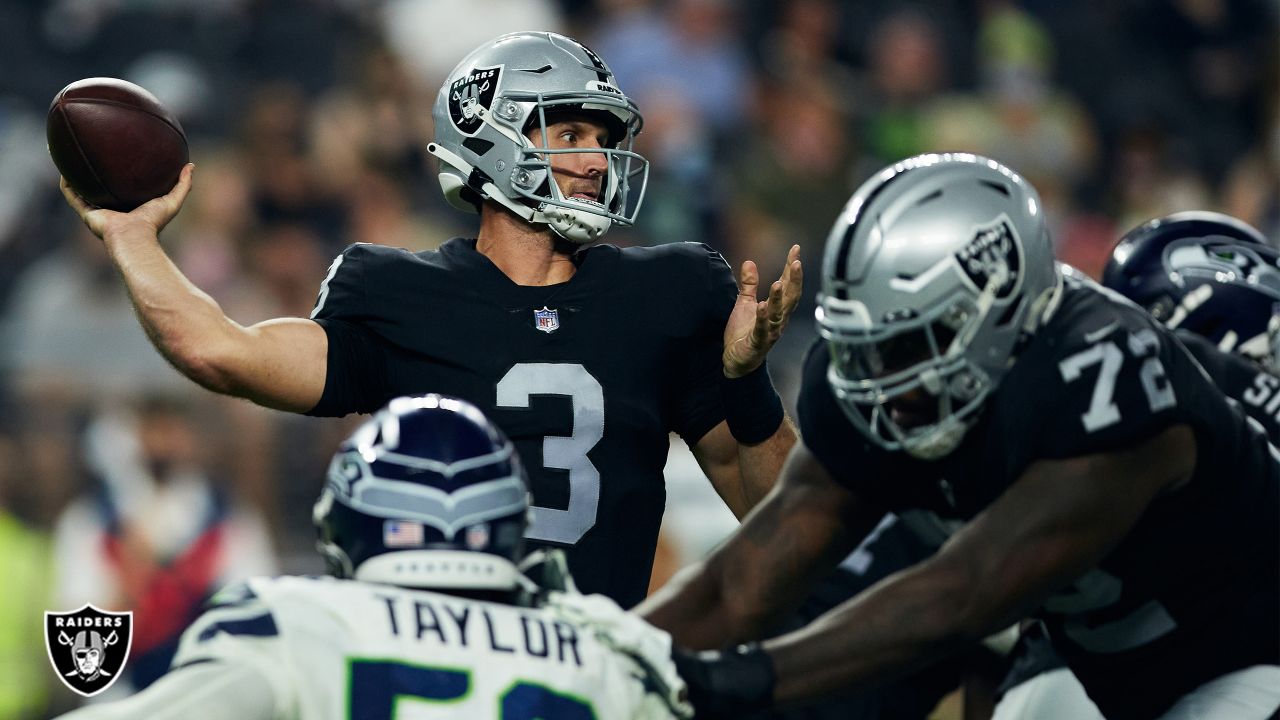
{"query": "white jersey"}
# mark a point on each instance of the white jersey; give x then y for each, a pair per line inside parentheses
(336, 649)
(326, 649)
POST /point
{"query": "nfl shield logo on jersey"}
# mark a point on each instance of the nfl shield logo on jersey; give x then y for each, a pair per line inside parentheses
(88, 647)
(546, 320)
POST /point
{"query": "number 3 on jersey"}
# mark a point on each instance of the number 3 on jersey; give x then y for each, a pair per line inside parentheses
(570, 380)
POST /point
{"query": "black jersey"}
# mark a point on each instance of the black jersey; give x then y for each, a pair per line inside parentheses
(1191, 592)
(587, 377)
(1251, 389)
(1254, 390)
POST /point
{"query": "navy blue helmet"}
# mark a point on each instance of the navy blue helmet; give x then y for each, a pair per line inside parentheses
(1204, 272)
(426, 493)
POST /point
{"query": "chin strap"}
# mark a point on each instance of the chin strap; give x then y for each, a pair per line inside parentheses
(940, 443)
(487, 189)
(576, 226)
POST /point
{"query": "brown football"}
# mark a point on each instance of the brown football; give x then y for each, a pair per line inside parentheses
(113, 141)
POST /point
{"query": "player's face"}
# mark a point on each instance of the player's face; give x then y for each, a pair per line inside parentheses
(579, 175)
(900, 354)
(914, 409)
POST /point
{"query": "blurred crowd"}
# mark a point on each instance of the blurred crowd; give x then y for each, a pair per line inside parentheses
(124, 485)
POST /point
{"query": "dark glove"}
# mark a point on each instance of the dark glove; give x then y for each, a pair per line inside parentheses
(727, 684)
(549, 571)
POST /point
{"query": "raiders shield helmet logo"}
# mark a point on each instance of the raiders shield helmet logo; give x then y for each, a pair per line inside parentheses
(994, 254)
(88, 647)
(470, 91)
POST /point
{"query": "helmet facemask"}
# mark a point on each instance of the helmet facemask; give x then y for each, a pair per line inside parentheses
(580, 220)
(933, 276)
(907, 385)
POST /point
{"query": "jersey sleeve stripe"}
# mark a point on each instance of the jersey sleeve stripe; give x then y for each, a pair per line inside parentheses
(197, 661)
(324, 286)
(258, 626)
(234, 596)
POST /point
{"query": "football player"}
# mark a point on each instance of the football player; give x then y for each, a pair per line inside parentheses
(1086, 468)
(589, 357)
(1214, 281)
(421, 521)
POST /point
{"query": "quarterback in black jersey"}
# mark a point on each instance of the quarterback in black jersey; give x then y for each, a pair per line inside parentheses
(587, 358)
(588, 400)
(1087, 470)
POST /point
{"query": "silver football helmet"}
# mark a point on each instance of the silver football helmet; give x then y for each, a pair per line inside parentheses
(510, 86)
(933, 273)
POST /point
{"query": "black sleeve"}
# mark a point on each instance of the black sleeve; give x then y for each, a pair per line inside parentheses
(834, 441)
(699, 407)
(1253, 390)
(355, 379)
(817, 414)
(1109, 393)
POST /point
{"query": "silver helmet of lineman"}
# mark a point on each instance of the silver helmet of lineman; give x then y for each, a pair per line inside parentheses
(519, 83)
(934, 272)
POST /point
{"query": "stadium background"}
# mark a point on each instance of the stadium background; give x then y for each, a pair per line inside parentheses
(307, 120)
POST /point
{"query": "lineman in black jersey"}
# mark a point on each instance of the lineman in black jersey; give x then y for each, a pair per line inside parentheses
(1086, 468)
(1215, 281)
(1253, 388)
(586, 358)
(1205, 273)
(1249, 387)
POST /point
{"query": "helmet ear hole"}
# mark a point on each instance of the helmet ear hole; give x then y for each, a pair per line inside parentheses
(478, 146)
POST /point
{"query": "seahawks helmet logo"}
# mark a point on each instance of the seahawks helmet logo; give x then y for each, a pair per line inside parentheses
(470, 91)
(88, 647)
(993, 257)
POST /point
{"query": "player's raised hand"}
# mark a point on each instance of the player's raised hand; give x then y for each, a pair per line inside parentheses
(152, 215)
(755, 325)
